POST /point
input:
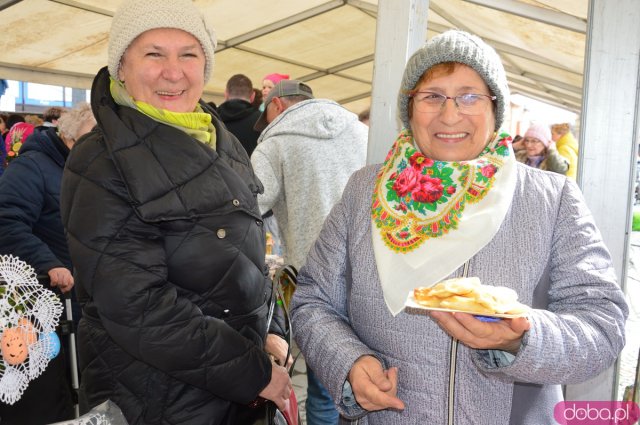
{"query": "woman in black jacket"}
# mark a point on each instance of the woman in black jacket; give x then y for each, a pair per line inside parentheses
(159, 206)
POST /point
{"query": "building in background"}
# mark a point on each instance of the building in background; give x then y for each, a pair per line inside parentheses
(34, 98)
(525, 110)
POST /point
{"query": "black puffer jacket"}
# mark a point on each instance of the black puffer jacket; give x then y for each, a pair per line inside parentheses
(169, 251)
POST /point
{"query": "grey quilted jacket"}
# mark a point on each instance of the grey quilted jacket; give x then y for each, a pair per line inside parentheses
(548, 238)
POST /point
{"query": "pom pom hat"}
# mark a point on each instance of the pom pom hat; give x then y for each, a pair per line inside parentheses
(137, 16)
(456, 46)
(540, 132)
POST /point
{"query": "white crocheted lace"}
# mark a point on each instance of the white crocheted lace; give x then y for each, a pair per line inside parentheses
(29, 315)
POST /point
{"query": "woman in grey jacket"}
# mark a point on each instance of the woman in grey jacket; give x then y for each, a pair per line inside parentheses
(451, 200)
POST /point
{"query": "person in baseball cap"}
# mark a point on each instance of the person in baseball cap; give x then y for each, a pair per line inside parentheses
(307, 151)
(293, 90)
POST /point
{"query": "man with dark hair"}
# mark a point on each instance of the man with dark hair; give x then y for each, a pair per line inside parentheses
(238, 113)
(13, 119)
(51, 116)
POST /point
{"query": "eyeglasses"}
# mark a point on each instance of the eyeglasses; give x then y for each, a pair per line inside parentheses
(528, 141)
(467, 103)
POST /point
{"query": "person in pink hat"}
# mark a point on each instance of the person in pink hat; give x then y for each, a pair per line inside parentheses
(540, 151)
(268, 82)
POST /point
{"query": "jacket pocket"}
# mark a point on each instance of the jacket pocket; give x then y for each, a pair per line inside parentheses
(251, 325)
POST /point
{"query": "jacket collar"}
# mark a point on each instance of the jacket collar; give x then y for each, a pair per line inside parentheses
(168, 174)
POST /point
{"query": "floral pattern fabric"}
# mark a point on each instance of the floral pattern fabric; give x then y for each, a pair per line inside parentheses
(16, 136)
(417, 198)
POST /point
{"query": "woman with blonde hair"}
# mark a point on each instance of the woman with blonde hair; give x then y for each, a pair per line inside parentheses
(567, 146)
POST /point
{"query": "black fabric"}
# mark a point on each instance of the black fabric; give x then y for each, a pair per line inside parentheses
(3, 154)
(59, 143)
(266, 412)
(47, 399)
(240, 116)
(169, 249)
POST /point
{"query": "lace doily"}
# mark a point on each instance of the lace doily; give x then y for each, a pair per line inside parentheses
(29, 315)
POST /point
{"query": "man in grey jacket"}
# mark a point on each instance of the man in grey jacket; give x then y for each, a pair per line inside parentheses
(307, 151)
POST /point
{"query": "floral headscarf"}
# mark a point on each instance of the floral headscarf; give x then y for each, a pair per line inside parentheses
(420, 205)
(16, 136)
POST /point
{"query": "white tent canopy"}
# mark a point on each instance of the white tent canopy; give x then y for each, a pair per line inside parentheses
(330, 44)
(327, 43)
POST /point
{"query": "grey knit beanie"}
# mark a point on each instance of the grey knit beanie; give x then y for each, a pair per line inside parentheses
(456, 46)
(137, 16)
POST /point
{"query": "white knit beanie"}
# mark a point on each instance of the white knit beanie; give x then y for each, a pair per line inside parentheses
(456, 46)
(137, 16)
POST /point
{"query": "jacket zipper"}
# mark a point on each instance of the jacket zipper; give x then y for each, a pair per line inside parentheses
(453, 359)
(453, 356)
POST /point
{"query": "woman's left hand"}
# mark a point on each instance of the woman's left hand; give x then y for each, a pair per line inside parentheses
(279, 348)
(62, 278)
(504, 335)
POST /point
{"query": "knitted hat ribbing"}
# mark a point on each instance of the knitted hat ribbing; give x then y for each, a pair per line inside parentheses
(540, 132)
(137, 16)
(456, 46)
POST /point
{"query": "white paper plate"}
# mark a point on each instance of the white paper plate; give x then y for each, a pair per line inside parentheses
(411, 306)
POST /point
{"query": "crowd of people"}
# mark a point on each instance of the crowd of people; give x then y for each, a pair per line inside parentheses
(32, 230)
(152, 207)
(552, 148)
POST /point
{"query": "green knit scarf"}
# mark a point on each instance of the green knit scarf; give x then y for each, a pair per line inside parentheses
(196, 124)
